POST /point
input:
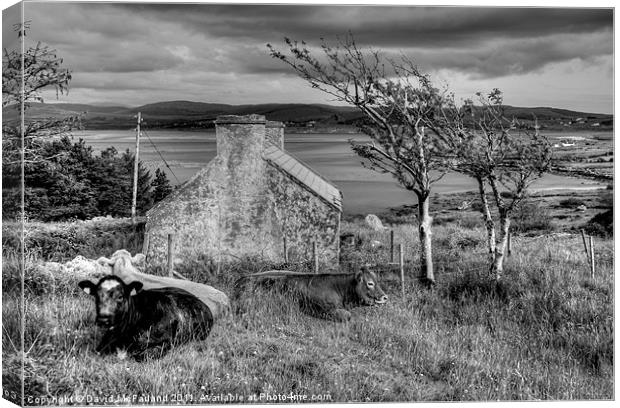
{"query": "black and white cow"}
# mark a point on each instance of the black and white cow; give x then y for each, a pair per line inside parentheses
(146, 322)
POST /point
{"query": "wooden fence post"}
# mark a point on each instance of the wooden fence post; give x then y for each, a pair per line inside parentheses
(591, 257)
(401, 264)
(391, 246)
(145, 243)
(315, 256)
(170, 254)
(585, 245)
(509, 243)
(285, 251)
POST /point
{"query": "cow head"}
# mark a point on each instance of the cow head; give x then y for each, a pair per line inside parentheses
(111, 298)
(368, 288)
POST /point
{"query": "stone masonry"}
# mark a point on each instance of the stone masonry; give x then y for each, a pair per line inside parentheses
(244, 203)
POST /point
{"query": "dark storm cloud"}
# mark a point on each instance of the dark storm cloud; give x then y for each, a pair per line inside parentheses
(381, 26)
(169, 50)
(96, 37)
(485, 41)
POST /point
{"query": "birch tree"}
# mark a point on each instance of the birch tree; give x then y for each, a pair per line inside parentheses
(403, 113)
(503, 154)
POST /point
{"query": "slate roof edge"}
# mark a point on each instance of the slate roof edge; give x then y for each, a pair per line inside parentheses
(304, 185)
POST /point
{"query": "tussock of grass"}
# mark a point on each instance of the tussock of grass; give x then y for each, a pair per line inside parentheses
(544, 332)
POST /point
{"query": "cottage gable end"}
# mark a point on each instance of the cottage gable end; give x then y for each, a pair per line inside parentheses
(304, 175)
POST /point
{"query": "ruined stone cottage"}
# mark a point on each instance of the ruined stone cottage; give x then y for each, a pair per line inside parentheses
(248, 201)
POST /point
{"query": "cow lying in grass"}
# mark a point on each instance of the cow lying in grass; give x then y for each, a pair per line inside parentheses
(146, 322)
(322, 295)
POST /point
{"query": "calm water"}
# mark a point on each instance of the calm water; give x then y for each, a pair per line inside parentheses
(364, 190)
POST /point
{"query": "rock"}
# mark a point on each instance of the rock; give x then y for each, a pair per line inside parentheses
(77, 269)
(80, 266)
(374, 222)
(582, 208)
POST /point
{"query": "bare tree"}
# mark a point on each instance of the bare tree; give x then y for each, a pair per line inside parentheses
(404, 113)
(504, 154)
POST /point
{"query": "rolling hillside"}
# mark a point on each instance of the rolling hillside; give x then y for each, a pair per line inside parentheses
(187, 114)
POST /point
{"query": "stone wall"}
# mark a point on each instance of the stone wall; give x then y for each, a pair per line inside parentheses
(304, 218)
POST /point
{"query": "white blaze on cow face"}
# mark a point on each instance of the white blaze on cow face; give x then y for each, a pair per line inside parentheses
(111, 299)
(109, 285)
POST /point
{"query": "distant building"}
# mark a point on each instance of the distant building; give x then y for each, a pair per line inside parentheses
(247, 201)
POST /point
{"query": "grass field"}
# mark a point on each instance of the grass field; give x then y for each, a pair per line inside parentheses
(545, 333)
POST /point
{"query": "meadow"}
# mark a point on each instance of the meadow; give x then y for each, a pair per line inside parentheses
(544, 333)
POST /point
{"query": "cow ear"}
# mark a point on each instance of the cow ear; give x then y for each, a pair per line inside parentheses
(358, 275)
(134, 288)
(87, 286)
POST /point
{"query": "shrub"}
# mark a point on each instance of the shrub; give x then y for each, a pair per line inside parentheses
(531, 216)
(476, 206)
(601, 224)
(572, 202)
(64, 241)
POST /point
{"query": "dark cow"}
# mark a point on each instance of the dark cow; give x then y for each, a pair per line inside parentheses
(322, 295)
(146, 322)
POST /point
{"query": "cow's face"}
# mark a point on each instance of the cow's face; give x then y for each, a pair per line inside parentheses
(111, 298)
(368, 288)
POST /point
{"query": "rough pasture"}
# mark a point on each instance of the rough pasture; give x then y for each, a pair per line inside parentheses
(547, 333)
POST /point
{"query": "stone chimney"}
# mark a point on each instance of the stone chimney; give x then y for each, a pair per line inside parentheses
(274, 133)
(240, 141)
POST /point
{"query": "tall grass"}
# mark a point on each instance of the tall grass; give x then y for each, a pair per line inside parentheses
(546, 332)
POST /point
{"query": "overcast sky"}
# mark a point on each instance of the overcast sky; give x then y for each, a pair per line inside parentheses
(133, 54)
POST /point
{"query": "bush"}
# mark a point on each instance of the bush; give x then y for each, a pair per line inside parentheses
(531, 216)
(477, 206)
(455, 239)
(572, 202)
(64, 241)
(601, 224)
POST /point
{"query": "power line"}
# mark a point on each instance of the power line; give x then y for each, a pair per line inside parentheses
(160, 155)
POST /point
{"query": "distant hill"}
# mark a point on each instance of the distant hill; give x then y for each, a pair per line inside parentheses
(187, 114)
(551, 113)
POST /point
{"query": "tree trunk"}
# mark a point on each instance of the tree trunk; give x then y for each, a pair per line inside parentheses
(427, 275)
(486, 215)
(497, 267)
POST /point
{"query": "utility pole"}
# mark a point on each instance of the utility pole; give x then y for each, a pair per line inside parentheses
(135, 172)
